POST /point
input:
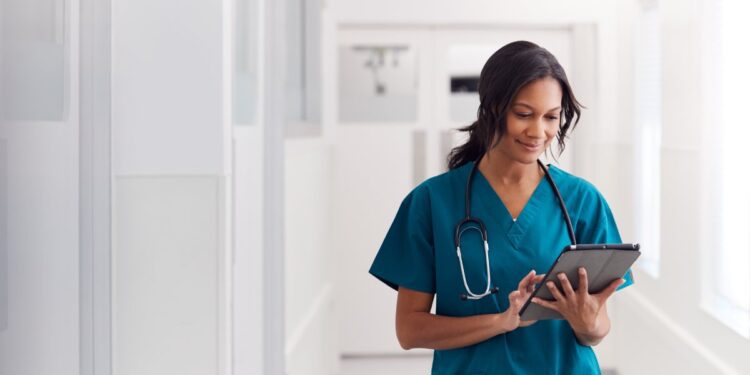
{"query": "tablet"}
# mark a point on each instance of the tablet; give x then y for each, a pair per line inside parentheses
(604, 263)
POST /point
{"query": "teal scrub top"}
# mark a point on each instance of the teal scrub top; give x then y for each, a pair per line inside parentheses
(418, 253)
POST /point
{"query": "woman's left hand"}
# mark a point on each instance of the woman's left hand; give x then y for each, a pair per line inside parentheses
(578, 307)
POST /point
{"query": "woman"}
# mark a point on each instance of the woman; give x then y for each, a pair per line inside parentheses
(525, 103)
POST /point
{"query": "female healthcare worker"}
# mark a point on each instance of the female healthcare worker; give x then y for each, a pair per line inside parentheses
(525, 103)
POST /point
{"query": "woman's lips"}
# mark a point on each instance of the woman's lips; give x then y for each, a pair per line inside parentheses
(530, 147)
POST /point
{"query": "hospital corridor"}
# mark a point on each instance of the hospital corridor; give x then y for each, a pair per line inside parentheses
(358, 187)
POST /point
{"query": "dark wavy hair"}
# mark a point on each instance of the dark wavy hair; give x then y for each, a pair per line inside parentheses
(508, 70)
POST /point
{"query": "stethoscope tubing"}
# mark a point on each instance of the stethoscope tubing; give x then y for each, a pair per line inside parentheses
(483, 231)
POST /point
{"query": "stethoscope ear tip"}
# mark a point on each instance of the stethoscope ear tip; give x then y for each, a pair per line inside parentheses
(494, 290)
(464, 297)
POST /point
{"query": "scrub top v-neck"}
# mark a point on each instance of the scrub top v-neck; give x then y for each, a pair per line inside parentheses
(418, 253)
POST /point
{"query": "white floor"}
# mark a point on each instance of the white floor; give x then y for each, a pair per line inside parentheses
(395, 365)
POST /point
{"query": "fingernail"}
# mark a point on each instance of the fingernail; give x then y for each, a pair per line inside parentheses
(535, 300)
(581, 270)
(550, 284)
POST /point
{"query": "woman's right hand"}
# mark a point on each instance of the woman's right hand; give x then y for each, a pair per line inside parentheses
(516, 300)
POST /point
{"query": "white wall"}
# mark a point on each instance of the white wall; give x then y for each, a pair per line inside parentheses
(311, 324)
(248, 251)
(171, 119)
(170, 62)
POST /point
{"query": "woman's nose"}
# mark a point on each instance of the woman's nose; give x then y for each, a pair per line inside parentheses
(536, 128)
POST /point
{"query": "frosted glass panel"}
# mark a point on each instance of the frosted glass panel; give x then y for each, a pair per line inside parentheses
(377, 84)
(33, 52)
(295, 68)
(465, 62)
(246, 62)
(303, 69)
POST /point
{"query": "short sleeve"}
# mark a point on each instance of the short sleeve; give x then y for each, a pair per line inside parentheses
(407, 257)
(598, 225)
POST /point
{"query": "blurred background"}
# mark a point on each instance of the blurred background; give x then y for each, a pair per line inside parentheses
(200, 187)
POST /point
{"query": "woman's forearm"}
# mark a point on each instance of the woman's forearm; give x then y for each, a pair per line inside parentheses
(426, 330)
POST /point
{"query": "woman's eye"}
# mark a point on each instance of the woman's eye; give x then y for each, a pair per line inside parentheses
(523, 115)
(552, 118)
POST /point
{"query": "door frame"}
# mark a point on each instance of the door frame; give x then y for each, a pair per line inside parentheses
(95, 188)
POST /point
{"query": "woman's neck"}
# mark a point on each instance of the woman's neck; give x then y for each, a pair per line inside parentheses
(500, 169)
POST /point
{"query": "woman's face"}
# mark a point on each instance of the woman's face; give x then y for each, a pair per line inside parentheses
(533, 120)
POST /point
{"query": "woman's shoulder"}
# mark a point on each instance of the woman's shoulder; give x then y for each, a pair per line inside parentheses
(571, 185)
(439, 189)
(447, 182)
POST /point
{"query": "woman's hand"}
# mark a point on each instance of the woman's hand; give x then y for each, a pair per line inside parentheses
(579, 308)
(516, 300)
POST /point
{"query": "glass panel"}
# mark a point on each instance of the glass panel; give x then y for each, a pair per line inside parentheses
(295, 58)
(303, 66)
(33, 67)
(465, 62)
(247, 49)
(648, 147)
(377, 83)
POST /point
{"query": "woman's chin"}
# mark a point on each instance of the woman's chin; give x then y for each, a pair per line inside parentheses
(527, 158)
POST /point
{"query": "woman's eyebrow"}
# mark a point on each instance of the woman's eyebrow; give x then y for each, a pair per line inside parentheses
(532, 108)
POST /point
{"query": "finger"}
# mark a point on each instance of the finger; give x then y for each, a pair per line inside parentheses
(583, 281)
(525, 281)
(610, 289)
(548, 304)
(567, 287)
(537, 280)
(532, 284)
(513, 299)
(512, 296)
(555, 292)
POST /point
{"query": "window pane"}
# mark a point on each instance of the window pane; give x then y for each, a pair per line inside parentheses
(733, 270)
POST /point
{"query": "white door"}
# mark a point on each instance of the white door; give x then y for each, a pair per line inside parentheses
(460, 54)
(395, 116)
(39, 177)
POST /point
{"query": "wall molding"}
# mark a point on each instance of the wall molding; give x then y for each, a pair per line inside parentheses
(693, 343)
(315, 313)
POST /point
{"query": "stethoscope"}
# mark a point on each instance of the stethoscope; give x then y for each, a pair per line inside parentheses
(479, 225)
